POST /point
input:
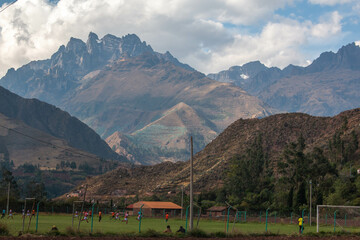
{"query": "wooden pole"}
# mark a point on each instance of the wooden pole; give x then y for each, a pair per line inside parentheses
(182, 201)
(191, 185)
(8, 199)
(310, 200)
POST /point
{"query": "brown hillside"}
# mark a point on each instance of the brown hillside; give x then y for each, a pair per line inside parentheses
(210, 164)
(25, 144)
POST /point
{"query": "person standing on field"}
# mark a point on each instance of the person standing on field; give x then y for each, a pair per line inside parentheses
(86, 214)
(126, 218)
(166, 217)
(10, 214)
(100, 216)
(139, 216)
(301, 221)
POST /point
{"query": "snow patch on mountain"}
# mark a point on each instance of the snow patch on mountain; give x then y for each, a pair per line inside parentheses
(244, 76)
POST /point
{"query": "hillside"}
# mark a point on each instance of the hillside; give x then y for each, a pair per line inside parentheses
(326, 87)
(121, 85)
(33, 155)
(278, 132)
(22, 144)
(55, 122)
(171, 131)
(43, 144)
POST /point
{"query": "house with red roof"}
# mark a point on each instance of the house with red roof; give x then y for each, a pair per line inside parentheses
(151, 208)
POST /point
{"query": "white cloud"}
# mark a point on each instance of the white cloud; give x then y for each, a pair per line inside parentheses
(330, 2)
(192, 31)
(278, 44)
(329, 27)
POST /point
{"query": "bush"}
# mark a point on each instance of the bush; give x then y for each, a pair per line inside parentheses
(70, 231)
(53, 233)
(218, 235)
(151, 233)
(4, 230)
(198, 233)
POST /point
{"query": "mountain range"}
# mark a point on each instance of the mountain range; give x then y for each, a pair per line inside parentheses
(326, 87)
(150, 101)
(147, 104)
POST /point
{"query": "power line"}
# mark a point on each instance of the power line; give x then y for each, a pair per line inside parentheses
(50, 144)
(8, 6)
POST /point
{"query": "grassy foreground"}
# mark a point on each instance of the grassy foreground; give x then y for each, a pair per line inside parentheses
(64, 221)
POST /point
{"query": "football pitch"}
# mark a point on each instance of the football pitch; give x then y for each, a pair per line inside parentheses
(107, 226)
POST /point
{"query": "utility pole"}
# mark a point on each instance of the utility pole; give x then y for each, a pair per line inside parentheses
(182, 201)
(191, 184)
(310, 199)
(8, 198)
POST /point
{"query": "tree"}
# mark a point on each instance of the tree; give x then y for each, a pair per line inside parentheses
(290, 198)
(249, 175)
(73, 165)
(67, 164)
(35, 190)
(6, 178)
(221, 196)
(301, 195)
(86, 168)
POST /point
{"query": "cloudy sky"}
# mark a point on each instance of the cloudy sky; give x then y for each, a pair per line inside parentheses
(210, 35)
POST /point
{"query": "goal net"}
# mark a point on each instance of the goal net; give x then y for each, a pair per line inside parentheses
(331, 218)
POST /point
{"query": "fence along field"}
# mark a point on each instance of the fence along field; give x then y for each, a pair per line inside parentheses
(236, 223)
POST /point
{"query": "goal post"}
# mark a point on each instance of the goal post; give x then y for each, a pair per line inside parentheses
(337, 215)
(74, 210)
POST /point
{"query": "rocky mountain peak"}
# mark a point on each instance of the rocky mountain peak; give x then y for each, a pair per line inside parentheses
(348, 57)
(75, 45)
(253, 68)
(131, 45)
(93, 35)
(92, 43)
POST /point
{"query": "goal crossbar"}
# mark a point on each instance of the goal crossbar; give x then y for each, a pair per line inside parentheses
(330, 206)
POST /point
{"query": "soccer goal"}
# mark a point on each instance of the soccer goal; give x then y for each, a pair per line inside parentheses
(337, 217)
(76, 211)
(28, 212)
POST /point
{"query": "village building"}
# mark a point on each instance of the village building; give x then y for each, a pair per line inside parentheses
(150, 208)
(217, 211)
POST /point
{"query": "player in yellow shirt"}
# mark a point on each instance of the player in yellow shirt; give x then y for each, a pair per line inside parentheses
(300, 225)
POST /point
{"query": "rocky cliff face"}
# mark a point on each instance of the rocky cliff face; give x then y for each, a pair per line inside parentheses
(326, 87)
(57, 78)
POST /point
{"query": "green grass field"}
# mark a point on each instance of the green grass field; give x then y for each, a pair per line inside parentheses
(64, 221)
